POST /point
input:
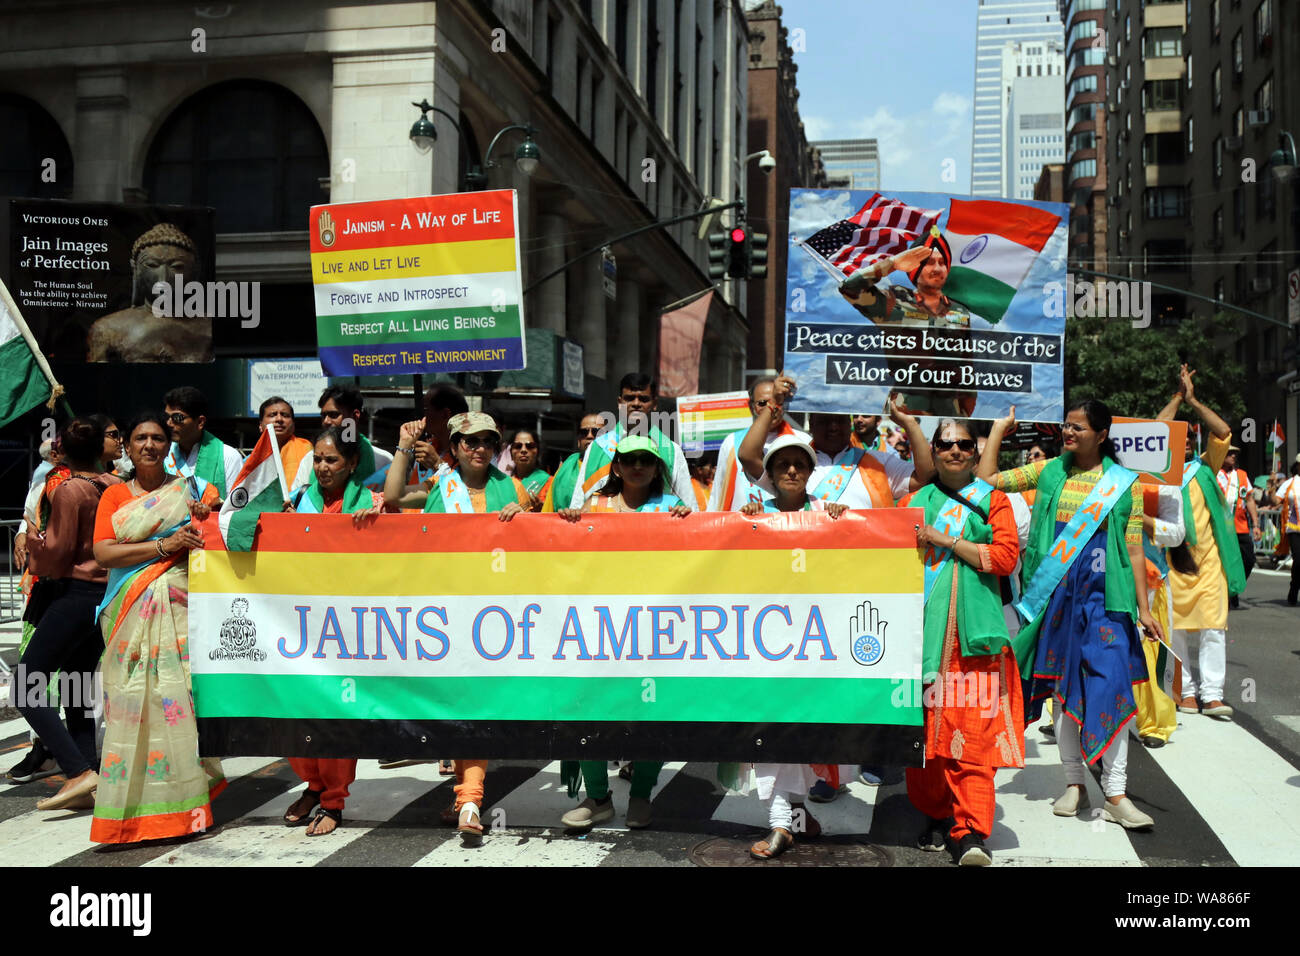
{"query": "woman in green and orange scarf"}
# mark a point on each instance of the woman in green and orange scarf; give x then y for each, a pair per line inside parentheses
(152, 782)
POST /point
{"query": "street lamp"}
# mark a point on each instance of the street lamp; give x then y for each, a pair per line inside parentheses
(1283, 160)
(424, 135)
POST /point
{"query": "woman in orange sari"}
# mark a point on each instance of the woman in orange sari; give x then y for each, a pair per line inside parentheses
(152, 782)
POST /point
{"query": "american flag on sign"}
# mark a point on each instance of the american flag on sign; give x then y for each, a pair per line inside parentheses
(883, 227)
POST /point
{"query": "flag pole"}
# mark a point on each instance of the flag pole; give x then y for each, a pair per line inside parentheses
(56, 390)
(279, 465)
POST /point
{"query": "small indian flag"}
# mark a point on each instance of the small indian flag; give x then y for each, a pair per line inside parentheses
(993, 245)
(23, 382)
(260, 487)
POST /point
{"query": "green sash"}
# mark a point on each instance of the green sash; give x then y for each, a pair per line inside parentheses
(355, 497)
(210, 463)
(566, 478)
(1121, 595)
(500, 492)
(981, 626)
(1225, 537)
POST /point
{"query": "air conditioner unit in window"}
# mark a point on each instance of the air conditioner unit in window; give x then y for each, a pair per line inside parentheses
(1233, 143)
(1261, 284)
(1123, 233)
(1259, 117)
(1113, 107)
(1112, 60)
(1113, 201)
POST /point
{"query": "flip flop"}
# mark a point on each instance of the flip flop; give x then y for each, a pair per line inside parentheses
(335, 815)
(304, 818)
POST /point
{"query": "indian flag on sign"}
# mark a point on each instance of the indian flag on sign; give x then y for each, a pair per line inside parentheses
(24, 383)
(258, 488)
(994, 245)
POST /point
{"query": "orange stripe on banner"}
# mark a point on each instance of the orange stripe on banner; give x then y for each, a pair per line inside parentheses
(467, 534)
(1026, 225)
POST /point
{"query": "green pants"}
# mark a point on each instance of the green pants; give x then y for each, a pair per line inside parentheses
(644, 776)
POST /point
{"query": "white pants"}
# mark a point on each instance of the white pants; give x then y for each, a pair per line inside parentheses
(1213, 662)
(1114, 762)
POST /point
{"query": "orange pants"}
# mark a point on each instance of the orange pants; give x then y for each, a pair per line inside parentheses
(331, 777)
(469, 782)
(948, 788)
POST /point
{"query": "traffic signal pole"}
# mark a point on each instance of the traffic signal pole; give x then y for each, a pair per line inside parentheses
(658, 224)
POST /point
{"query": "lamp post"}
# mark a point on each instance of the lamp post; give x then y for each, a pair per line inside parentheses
(424, 135)
(1283, 160)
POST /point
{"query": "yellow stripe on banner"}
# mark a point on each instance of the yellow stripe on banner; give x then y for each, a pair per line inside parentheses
(798, 571)
(413, 262)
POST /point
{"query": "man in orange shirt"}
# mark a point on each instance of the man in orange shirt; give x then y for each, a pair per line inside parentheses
(277, 413)
(1240, 504)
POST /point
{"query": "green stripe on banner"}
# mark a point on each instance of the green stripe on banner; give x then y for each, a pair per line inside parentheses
(398, 328)
(833, 700)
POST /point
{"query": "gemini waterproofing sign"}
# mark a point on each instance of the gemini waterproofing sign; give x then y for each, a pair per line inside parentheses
(415, 286)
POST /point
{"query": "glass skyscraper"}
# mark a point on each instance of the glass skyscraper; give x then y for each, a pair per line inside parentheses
(1001, 22)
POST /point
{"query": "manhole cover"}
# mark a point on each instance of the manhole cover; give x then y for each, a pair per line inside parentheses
(726, 851)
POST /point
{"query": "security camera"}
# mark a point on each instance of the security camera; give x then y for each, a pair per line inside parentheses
(767, 163)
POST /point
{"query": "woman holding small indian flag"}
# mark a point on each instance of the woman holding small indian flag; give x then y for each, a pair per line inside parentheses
(1081, 599)
(336, 490)
(152, 783)
(968, 541)
(474, 486)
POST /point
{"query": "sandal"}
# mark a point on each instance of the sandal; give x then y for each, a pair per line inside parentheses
(450, 816)
(299, 812)
(446, 768)
(321, 813)
(777, 842)
(469, 825)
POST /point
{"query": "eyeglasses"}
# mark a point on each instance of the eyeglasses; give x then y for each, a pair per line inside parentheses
(638, 460)
(470, 443)
(521, 445)
(964, 444)
(176, 418)
(593, 432)
(1072, 427)
(114, 434)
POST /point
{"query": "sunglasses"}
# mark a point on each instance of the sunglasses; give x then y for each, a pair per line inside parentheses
(521, 445)
(964, 444)
(638, 460)
(471, 443)
(176, 418)
(593, 432)
(114, 434)
(762, 402)
(1035, 456)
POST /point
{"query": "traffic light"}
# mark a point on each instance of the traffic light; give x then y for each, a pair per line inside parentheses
(738, 251)
(757, 260)
(718, 253)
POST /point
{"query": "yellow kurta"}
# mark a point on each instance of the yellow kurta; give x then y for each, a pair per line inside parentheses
(1201, 599)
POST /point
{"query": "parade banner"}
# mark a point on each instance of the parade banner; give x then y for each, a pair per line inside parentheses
(416, 286)
(115, 282)
(1154, 449)
(787, 637)
(954, 303)
(705, 420)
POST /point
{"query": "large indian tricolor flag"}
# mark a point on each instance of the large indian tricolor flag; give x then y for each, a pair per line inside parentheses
(994, 245)
(259, 488)
(25, 378)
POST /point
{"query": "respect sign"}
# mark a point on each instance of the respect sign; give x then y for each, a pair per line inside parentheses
(786, 637)
(1152, 448)
(415, 286)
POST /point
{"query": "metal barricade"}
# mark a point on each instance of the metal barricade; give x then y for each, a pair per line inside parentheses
(11, 591)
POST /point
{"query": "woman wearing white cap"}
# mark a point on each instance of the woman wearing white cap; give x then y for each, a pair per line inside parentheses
(474, 486)
(788, 465)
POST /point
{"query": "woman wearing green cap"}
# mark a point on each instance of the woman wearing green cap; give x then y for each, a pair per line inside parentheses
(636, 484)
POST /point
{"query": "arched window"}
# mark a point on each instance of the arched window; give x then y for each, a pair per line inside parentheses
(30, 138)
(250, 150)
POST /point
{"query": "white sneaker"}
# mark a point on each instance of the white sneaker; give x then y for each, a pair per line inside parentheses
(588, 813)
(1126, 815)
(1068, 803)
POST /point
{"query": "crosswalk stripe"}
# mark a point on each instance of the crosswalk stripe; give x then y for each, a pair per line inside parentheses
(1240, 787)
(1026, 829)
(13, 733)
(506, 848)
(261, 839)
(849, 813)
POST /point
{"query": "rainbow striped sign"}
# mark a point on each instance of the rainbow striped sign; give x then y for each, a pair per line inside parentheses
(413, 286)
(786, 637)
(705, 420)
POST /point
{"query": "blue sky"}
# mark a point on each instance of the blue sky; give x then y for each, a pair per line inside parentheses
(903, 72)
